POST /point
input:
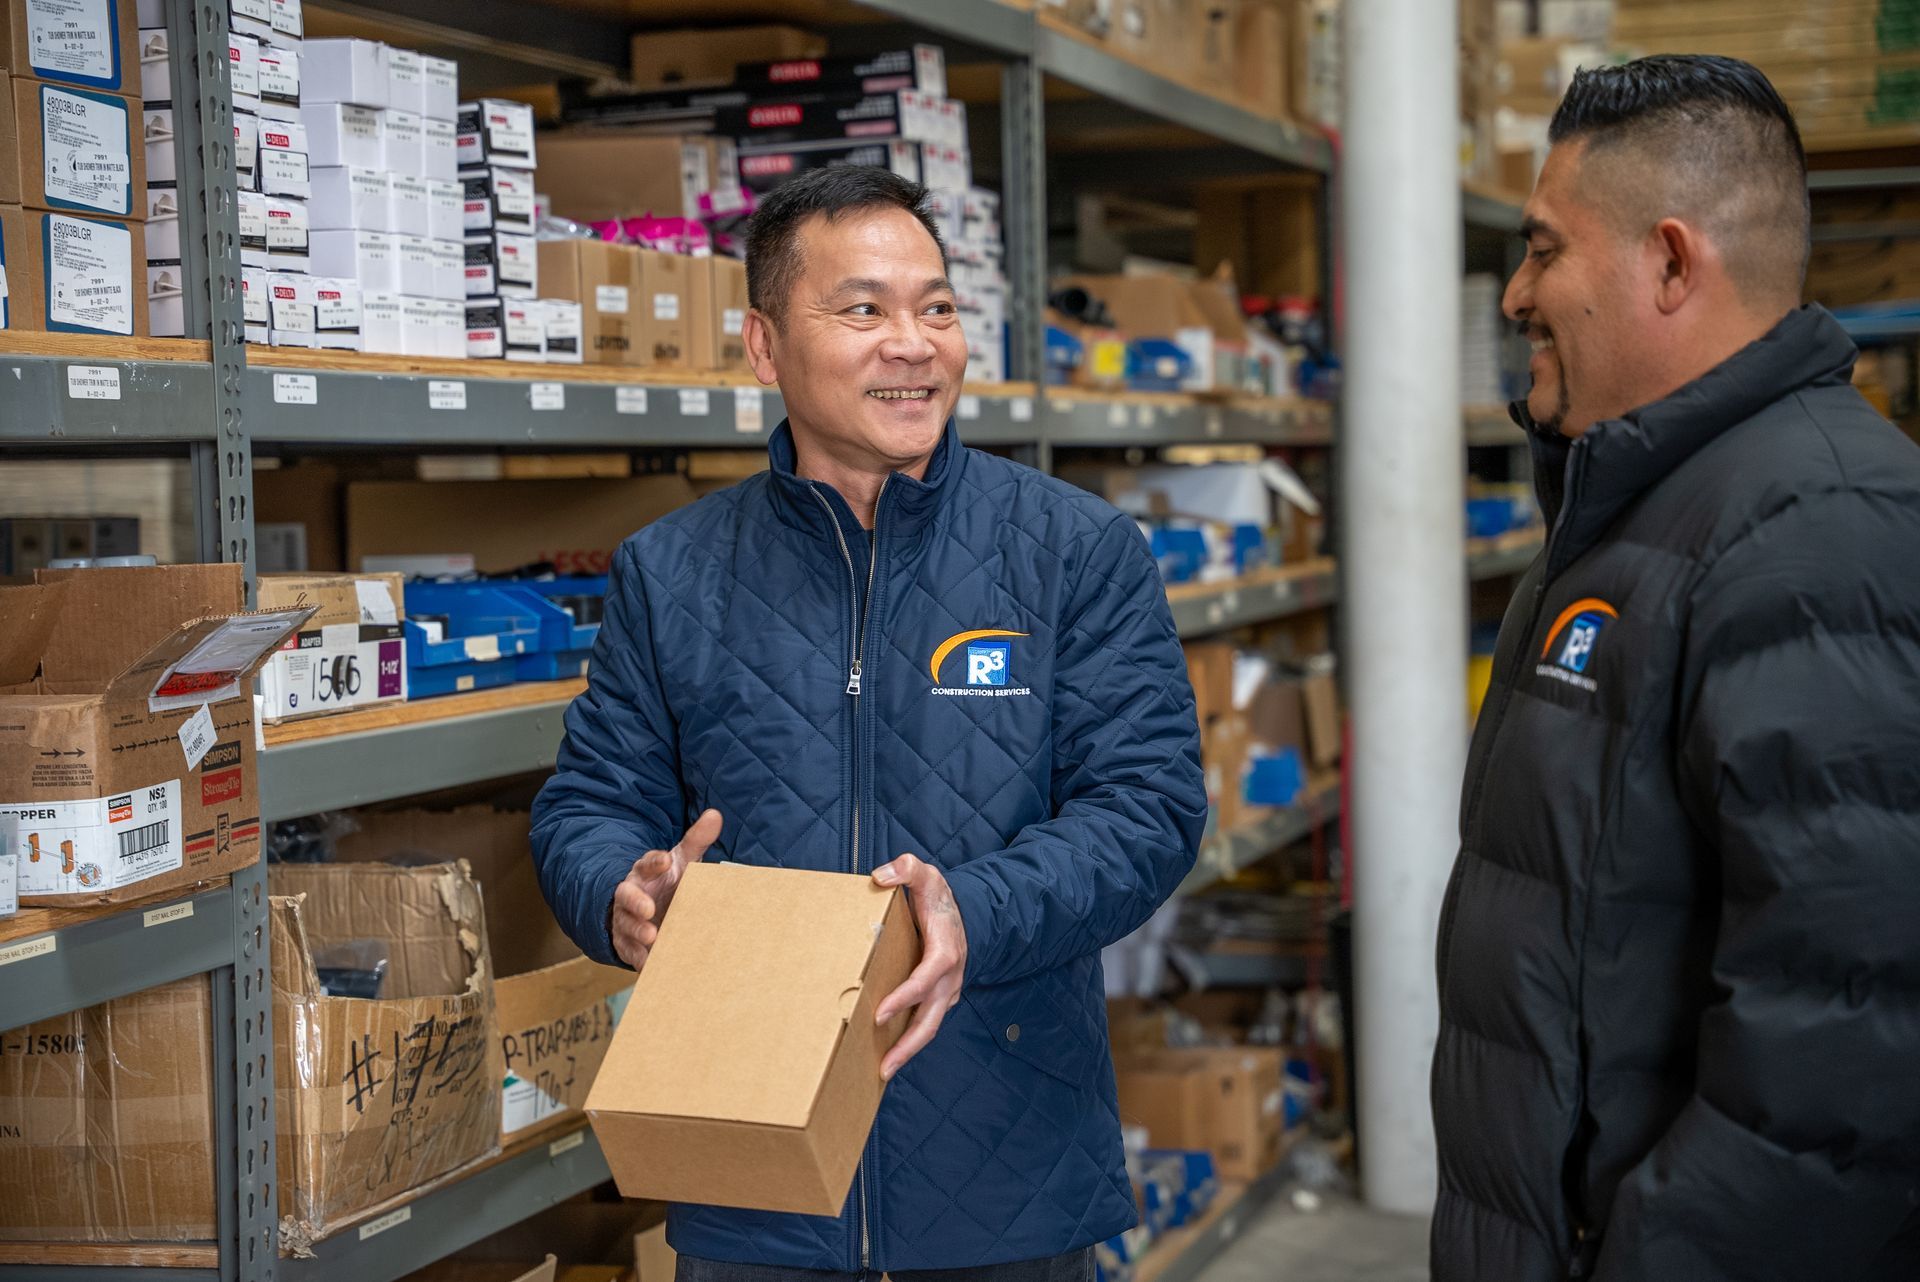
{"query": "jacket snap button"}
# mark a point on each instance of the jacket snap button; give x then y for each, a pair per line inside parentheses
(1013, 1032)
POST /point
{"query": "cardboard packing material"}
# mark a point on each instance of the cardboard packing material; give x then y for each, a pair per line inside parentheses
(751, 1076)
(665, 310)
(461, 1270)
(308, 495)
(1260, 57)
(95, 46)
(91, 272)
(127, 731)
(612, 173)
(706, 58)
(556, 1009)
(1321, 695)
(79, 150)
(1227, 1100)
(351, 654)
(106, 1121)
(378, 1096)
(653, 1259)
(605, 280)
(717, 297)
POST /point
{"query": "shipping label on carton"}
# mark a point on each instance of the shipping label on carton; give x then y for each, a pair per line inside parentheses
(89, 276)
(352, 654)
(87, 141)
(99, 843)
(75, 40)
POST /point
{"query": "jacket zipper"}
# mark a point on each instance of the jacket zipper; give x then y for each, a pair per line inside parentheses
(860, 613)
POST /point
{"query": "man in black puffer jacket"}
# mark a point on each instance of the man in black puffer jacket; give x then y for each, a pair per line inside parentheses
(1680, 954)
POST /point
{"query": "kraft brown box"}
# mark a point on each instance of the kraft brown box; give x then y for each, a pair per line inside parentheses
(24, 163)
(605, 280)
(1227, 1099)
(556, 1009)
(378, 1096)
(97, 667)
(24, 237)
(666, 310)
(718, 295)
(706, 58)
(596, 174)
(749, 1075)
(106, 1122)
(108, 60)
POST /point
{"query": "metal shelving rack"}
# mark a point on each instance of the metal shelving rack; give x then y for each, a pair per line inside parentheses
(209, 398)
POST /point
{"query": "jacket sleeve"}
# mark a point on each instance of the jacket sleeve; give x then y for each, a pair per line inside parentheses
(1129, 801)
(616, 792)
(1799, 755)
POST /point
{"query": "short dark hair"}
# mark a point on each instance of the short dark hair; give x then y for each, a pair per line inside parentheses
(1716, 145)
(773, 234)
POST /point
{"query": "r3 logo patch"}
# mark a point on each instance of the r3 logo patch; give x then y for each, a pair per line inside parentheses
(1576, 633)
(987, 663)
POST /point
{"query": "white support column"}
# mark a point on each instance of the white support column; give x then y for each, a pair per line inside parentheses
(1403, 550)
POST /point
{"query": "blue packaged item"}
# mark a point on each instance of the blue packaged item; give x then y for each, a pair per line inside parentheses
(1180, 552)
(1198, 1182)
(1277, 779)
(1489, 518)
(1065, 353)
(1250, 548)
(1157, 365)
(568, 615)
(478, 631)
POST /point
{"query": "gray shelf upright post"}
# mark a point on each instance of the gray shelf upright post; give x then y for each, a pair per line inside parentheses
(1023, 145)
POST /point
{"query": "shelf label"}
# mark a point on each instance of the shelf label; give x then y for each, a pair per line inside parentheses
(1145, 415)
(630, 400)
(566, 1144)
(31, 948)
(161, 916)
(1116, 415)
(749, 414)
(391, 1220)
(1216, 426)
(1020, 409)
(446, 394)
(695, 403)
(549, 396)
(969, 407)
(93, 382)
(296, 389)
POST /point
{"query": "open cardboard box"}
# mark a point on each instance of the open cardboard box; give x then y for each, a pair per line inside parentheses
(556, 1009)
(747, 1070)
(378, 1095)
(1226, 1099)
(127, 731)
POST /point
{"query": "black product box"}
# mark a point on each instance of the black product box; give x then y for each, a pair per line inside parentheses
(762, 171)
(922, 67)
(764, 125)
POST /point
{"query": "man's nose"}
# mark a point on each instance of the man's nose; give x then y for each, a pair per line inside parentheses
(908, 340)
(1517, 302)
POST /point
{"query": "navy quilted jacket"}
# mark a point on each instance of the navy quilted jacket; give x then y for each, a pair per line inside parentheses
(1023, 721)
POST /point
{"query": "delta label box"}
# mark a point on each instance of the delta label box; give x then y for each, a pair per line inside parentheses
(129, 778)
(750, 1077)
(351, 654)
(91, 43)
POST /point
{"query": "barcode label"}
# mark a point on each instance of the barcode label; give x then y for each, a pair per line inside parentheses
(146, 838)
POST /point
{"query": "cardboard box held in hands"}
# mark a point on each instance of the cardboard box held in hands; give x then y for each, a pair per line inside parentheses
(750, 1076)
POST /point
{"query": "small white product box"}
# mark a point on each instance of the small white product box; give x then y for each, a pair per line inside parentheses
(449, 270)
(250, 17)
(445, 209)
(562, 319)
(342, 664)
(417, 327)
(243, 68)
(449, 328)
(494, 131)
(499, 199)
(409, 204)
(405, 141)
(439, 149)
(289, 19)
(166, 300)
(440, 96)
(340, 133)
(151, 13)
(246, 147)
(256, 308)
(351, 199)
(516, 264)
(280, 78)
(336, 313)
(370, 257)
(381, 325)
(163, 223)
(524, 325)
(156, 71)
(344, 71)
(406, 81)
(290, 303)
(253, 228)
(289, 239)
(283, 159)
(486, 333)
(157, 129)
(416, 266)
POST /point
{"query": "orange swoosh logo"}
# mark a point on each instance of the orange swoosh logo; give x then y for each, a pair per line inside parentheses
(953, 643)
(1574, 611)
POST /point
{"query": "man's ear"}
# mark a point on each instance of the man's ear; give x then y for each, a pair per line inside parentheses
(757, 333)
(1683, 257)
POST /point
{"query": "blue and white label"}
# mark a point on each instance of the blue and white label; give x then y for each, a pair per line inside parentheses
(87, 142)
(1577, 651)
(987, 663)
(75, 40)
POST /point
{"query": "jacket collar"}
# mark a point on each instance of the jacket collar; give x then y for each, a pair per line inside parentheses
(907, 505)
(1627, 456)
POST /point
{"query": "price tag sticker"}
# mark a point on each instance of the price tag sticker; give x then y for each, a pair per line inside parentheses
(446, 394)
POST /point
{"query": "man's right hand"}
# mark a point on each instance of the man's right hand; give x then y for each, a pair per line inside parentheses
(640, 902)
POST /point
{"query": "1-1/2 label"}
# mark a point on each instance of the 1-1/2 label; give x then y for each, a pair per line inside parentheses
(446, 394)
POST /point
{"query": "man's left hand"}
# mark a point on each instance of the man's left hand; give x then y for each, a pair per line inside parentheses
(934, 985)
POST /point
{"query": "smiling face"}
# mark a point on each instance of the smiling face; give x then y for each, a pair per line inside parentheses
(1578, 298)
(867, 348)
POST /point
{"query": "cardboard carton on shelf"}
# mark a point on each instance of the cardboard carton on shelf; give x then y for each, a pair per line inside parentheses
(91, 46)
(1228, 1100)
(379, 1094)
(73, 149)
(751, 1077)
(351, 654)
(665, 310)
(71, 274)
(556, 1009)
(108, 1114)
(594, 175)
(717, 295)
(605, 281)
(704, 58)
(138, 680)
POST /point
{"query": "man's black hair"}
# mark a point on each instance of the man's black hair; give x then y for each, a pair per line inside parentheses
(1711, 141)
(773, 234)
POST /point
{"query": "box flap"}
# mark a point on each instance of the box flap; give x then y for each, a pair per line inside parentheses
(207, 661)
(745, 996)
(114, 617)
(32, 613)
(425, 920)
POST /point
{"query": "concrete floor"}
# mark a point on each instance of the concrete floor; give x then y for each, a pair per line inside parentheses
(1343, 1241)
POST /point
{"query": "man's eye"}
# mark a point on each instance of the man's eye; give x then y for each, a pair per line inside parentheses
(941, 309)
(863, 309)
(1540, 255)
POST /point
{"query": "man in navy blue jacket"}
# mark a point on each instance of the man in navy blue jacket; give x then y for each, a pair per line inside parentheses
(890, 643)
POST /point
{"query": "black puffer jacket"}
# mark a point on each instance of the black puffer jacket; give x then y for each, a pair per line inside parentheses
(1680, 953)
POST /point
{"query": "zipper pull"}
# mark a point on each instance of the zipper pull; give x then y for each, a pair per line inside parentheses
(853, 679)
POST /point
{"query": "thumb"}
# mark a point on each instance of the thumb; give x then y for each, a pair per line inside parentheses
(694, 845)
